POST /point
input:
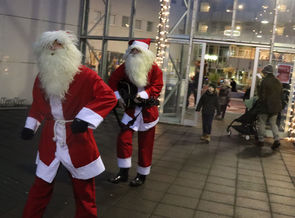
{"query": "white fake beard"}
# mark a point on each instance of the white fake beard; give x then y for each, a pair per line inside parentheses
(138, 66)
(57, 70)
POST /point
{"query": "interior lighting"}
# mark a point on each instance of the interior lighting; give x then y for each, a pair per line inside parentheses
(211, 57)
(232, 33)
(259, 36)
(264, 21)
(162, 31)
(241, 7)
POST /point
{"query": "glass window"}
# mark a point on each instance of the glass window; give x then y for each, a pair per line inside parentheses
(138, 24)
(125, 21)
(147, 15)
(203, 28)
(113, 19)
(96, 18)
(217, 16)
(205, 7)
(149, 26)
(285, 31)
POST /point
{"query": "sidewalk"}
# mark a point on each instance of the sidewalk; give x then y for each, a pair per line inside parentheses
(229, 177)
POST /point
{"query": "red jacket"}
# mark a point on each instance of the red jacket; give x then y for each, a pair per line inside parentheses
(153, 89)
(89, 99)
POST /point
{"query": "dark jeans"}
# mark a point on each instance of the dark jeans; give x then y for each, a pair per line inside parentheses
(207, 120)
(222, 110)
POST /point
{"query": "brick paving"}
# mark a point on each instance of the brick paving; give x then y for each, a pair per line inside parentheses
(229, 177)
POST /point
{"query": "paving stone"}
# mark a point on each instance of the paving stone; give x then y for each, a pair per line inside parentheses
(223, 209)
(173, 211)
(251, 186)
(282, 199)
(252, 194)
(247, 213)
(221, 181)
(123, 213)
(180, 201)
(184, 191)
(283, 209)
(252, 179)
(281, 191)
(202, 214)
(220, 188)
(218, 197)
(253, 204)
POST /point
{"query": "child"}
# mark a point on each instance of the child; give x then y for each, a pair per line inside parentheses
(209, 103)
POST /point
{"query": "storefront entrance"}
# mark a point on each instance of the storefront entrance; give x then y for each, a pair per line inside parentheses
(187, 74)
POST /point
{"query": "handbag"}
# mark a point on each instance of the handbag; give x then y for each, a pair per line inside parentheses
(128, 92)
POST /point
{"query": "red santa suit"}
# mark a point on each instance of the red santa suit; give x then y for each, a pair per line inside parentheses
(88, 98)
(145, 122)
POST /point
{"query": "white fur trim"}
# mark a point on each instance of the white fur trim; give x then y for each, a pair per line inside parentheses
(32, 123)
(118, 96)
(138, 125)
(140, 44)
(90, 117)
(48, 173)
(124, 162)
(144, 170)
(143, 94)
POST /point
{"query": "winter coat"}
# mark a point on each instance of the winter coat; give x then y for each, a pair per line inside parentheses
(223, 97)
(208, 103)
(89, 99)
(270, 95)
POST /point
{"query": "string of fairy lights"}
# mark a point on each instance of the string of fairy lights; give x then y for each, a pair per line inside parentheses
(291, 113)
(162, 31)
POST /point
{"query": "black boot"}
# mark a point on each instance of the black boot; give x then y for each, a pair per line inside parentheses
(138, 180)
(122, 176)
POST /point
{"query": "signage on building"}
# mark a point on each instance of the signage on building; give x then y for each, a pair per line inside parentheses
(284, 72)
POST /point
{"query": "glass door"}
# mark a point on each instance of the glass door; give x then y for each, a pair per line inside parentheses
(179, 96)
(283, 63)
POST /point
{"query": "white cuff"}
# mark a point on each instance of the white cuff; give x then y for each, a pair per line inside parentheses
(143, 94)
(143, 170)
(118, 96)
(90, 117)
(32, 123)
(124, 162)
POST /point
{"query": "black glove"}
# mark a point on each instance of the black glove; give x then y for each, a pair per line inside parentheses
(79, 126)
(27, 134)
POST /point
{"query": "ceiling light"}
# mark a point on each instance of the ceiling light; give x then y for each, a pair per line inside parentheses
(264, 22)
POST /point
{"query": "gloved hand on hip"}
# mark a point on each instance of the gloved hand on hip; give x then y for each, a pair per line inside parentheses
(27, 133)
(79, 126)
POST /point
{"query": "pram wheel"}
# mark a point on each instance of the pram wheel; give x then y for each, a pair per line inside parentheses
(229, 132)
(247, 137)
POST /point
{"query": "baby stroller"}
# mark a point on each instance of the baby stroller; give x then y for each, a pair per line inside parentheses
(247, 126)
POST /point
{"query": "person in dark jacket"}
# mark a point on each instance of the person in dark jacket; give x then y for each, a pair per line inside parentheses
(223, 97)
(270, 104)
(208, 103)
(233, 85)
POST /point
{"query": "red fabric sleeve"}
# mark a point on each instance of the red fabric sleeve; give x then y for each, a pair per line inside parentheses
(155, 83)
(39, 106)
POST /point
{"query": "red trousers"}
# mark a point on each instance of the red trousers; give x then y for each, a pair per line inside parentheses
(145, 145)
(41, 192)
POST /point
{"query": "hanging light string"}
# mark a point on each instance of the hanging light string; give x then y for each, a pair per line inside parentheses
(162, 31)
(291, 120)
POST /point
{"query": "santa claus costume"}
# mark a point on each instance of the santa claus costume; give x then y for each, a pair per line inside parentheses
(139, 69)
(71, 100)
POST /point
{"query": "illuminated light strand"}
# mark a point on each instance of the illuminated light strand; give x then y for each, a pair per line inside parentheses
(162, 31)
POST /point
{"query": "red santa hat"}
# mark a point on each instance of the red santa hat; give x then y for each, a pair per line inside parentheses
(141, 44)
